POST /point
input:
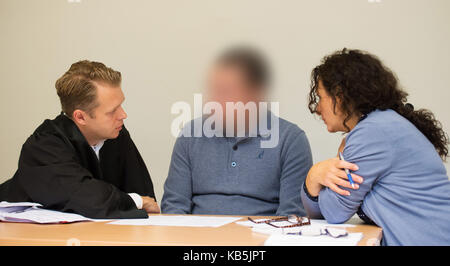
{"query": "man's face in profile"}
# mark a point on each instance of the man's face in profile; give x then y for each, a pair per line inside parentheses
(106, 120)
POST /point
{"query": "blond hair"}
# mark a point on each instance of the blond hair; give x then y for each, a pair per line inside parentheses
(77, 87)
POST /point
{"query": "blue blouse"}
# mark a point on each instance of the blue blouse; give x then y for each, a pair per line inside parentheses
(406, 190)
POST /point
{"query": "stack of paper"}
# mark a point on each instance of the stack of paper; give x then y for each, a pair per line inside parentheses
(171, 220)
(28, 212)
(9, 207)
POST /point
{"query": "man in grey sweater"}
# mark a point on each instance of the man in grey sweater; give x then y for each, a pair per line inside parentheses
(237, 174)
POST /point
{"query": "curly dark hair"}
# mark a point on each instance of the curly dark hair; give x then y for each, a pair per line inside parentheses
(363, 84)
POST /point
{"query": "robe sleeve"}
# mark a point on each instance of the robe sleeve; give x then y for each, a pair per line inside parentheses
(51, 175)
(136, 175)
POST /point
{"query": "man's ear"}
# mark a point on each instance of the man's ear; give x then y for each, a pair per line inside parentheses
(79, 117)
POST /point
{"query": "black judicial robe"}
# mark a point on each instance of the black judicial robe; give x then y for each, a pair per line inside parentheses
(58, 169)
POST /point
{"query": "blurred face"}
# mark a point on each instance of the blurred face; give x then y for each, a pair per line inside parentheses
(229, 84)
(333, 118)
(106, 120)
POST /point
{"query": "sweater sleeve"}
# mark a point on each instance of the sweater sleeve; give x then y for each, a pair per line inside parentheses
(177, 197)
(297, 160)
(367, 147)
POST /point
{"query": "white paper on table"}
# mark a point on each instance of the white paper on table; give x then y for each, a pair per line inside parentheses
(16, 206)
(325, 223)
(269, 230)
(187, 220)
(5, 204)
(324, 240)
(42, 216)
(313, 222)
(102, 220)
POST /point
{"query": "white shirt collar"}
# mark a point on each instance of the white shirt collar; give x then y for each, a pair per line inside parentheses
(97, 148)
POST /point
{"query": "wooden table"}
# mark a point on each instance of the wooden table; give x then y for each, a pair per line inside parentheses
(103, 234)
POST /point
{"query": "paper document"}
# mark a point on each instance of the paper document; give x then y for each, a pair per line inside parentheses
(298, 240)
(41, 216)
(290, 236)
(187, 220)
(16, 206)
(29, 212)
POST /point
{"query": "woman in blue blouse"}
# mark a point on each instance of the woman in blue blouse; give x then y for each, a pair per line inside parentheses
(394, 151)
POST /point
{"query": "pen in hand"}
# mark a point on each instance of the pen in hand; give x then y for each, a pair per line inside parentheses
(341, 156)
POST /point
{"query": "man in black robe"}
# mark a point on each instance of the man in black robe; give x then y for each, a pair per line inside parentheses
(84, 161)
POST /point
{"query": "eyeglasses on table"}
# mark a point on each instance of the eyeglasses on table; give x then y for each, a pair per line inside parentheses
(294, 220)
